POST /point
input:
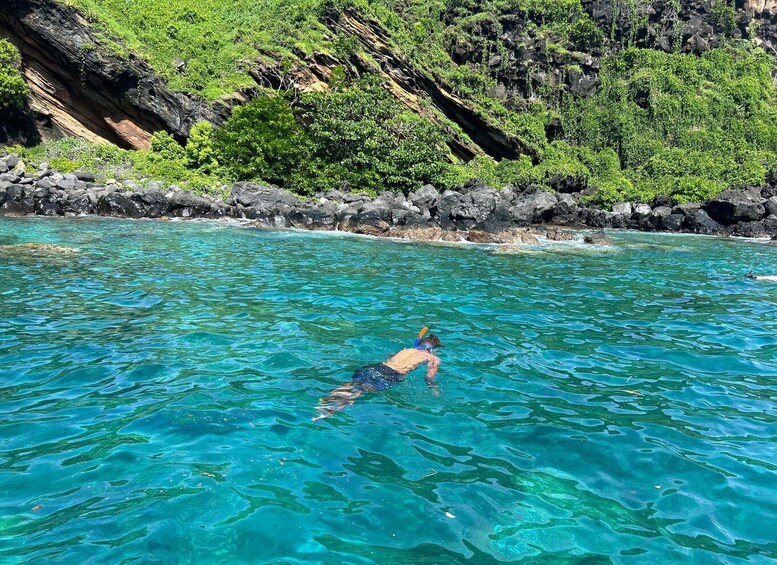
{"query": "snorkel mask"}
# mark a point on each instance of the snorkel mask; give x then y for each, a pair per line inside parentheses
(424, 346)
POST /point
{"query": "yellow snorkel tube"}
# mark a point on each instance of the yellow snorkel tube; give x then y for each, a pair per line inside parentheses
(420, 336)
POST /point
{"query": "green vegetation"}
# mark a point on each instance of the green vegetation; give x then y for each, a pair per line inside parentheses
(263, 140)
(208, 46)
(358, 138)
(682, 125)
(13, 89)
(361, 137)
(167, 161)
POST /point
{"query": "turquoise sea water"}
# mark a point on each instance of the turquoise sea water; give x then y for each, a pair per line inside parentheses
(598, 405)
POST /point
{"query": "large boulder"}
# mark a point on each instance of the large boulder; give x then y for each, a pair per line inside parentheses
(403, 216)
(10, 161)
(657, 216)
(733, 206)
(378, 209)
(686, 210)
(566, 210)
(313, 217)
(661, 200)
(597, 218)
(14, 192)
(533, 208)
(642, 209)
(672, 222)
(17, 208)
(262, 200)
(771, 205)
(702, 223)
(67, 183)
(118, 204)
(749, 229)
(622, 208)
(79, 205)
(475, 206)
(154, 201)
(48, 208)
(185, 204)
(85, 176)
(425, 197)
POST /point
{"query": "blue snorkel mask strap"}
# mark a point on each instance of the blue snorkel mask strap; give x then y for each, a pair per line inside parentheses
(424, 347)
(417, 344)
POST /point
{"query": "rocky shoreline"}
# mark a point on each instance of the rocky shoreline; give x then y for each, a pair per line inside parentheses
(475, 212)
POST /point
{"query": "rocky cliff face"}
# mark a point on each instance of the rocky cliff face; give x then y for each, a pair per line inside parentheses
(528, 62)
(82, 88)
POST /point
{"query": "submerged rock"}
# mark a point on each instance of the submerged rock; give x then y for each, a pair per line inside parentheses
(426, 234)
(511, 236)
(598, 238)
(511, 250)
(556, 234)
(36, 249)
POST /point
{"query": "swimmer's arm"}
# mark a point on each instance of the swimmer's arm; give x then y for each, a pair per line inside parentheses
(432, 363)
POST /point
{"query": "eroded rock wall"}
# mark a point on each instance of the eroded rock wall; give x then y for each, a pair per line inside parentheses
(84, 88)
(527, 61)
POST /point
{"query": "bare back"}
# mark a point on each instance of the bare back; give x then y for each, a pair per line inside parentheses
(408, 359)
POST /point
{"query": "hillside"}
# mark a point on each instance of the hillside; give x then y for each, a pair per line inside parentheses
(617, 99)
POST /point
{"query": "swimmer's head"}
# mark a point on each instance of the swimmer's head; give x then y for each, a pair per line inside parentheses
(429, 343)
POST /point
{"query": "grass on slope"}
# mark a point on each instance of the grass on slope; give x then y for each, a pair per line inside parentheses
(683, 125)
(208, 46)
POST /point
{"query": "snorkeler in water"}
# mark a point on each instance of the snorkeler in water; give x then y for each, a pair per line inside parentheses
(750, 275)
(381, 376)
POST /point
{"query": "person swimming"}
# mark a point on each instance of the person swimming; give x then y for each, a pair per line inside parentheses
(750, 275)
(381, 376)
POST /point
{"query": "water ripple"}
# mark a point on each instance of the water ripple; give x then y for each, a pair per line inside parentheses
(157, 388)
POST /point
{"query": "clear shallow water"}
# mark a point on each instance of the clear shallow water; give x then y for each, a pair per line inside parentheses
(157, 389)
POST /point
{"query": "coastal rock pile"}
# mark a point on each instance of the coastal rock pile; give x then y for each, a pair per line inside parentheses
(475, 212)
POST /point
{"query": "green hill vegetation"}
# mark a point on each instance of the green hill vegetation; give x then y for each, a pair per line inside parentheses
(677, 124)
(13, 89)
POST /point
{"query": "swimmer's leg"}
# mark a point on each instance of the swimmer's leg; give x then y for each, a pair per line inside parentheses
(337, 400)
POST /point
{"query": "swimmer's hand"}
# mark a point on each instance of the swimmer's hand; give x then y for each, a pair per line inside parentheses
(435, 389)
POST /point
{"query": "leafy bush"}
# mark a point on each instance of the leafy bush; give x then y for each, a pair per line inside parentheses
(724, 17)
(166, 162)
(13, 88)
(360, 138)
(586, 35)
(681, 125)
(262, 140)
(165, 145)
(201, 148)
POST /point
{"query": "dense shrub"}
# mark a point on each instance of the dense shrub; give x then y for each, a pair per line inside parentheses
(681, 125)
(724, 17)
(13, 88)
(201, 149)
(262, 140)
(360, 138)
(165, 146)
(166, 161)
(585, 34)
